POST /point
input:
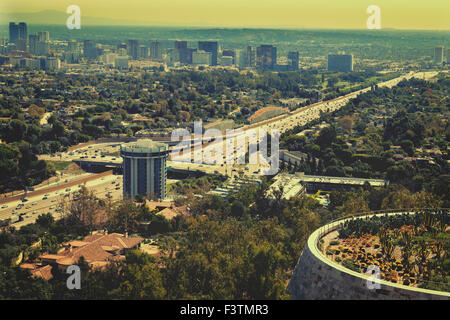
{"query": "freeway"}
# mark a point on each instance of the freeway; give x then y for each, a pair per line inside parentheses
(39, 203)
(108, 152)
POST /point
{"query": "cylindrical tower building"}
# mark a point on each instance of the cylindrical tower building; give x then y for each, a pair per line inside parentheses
(144, 168)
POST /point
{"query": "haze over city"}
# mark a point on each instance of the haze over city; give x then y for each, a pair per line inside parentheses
(324, 14)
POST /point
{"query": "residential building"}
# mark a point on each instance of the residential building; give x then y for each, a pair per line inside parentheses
(144, 168)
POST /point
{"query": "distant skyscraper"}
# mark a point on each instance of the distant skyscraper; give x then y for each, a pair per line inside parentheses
(212, 47)
(266, 57)
(182, 51)
(133, 48)
(155, 50)
(144, 168)
(439, 54)
(42, 48)
(23, 33)
(189, 55)
(251, 57)
(33, 40)
(340, 62)
(90, 49)
(44, 36)
(294, 60)
(448, 56)
(21, 45)
(143, 52)
(13, 32)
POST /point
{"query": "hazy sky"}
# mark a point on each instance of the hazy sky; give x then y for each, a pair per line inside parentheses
(401, 14)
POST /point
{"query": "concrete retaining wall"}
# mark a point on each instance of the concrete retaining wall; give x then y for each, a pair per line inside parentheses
(316, 277)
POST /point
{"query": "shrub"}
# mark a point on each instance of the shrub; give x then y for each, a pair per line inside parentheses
(350, 264)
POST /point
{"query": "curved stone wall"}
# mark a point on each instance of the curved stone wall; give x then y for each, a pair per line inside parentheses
(316, 277)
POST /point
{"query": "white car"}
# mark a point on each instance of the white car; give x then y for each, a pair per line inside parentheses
(4, 206)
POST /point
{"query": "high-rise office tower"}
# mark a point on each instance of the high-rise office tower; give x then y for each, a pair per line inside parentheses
(448, 56)
(212, 47)
(266, 57)
(340, 62)
(90, 49)
(144, 168)
(42, 48)
(251, 57)
(22, 44)
(33, 40)
(143, 52)
(439, 54)
(44, 36)
(294, 60)
(190, 51)
(13, 32)
(23, 33)
(133, 48)
(182, 49)
(155, 50)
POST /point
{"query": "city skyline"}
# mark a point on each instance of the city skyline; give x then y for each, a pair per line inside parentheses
(323, 14)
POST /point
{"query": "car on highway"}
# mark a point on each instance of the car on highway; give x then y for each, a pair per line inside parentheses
(52, 207)
(68, 189)
(34, 203)
(45, 198)
(53, 200)
(24, 199)
(4, 206)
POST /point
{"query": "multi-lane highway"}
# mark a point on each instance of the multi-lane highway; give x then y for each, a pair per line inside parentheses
(108, 152)
(48, 202)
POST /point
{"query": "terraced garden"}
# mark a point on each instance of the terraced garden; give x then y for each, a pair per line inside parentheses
(409, 249)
